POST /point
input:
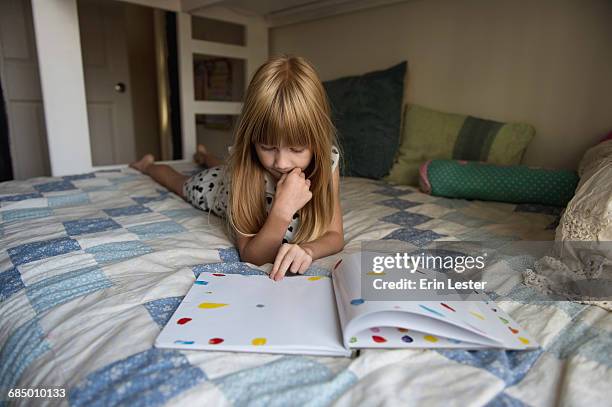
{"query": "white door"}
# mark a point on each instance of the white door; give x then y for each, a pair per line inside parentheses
(107, 81)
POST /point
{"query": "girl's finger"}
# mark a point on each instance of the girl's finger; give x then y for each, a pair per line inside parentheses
(282, 178)
(308, 182)
(304, 266)
(297, 263)
(279, 258)
(284, 266)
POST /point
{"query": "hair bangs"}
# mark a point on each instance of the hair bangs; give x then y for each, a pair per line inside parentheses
(287, 121)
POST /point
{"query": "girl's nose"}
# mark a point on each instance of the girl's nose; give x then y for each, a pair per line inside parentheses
(281, 162)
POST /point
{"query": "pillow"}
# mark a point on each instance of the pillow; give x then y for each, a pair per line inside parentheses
(367, 111)
(583, 253)
(490, 182)
(588, 216)
(429, 134)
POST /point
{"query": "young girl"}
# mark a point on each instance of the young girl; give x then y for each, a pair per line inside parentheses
(280, 188)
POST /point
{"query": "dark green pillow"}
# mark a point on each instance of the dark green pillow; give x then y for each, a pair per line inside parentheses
(366, 111)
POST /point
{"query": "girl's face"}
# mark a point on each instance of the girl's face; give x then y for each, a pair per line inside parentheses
(278, 160)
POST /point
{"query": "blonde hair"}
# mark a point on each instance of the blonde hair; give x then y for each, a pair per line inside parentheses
(285, 104)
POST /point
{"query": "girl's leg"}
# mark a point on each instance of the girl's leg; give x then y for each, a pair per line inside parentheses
(203, 157)
(161, 173)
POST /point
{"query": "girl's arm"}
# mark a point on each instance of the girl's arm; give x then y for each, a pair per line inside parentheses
(297, 258)
(262, 248)
(292, 193)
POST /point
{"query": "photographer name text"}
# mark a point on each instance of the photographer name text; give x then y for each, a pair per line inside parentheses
(428, 284)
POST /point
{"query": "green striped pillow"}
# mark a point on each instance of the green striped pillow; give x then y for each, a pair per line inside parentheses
(429, 134)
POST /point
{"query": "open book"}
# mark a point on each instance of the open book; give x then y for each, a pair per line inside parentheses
(316, 315)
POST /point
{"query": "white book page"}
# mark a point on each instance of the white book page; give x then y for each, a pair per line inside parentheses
(471, 322)
(235, 312)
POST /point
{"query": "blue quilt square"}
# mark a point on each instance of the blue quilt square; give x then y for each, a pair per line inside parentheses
(389, 191)
(417, 237)
(110, 252)
(227, 268)
(127, 210)
(580, 338)
(229, 255)
(509, 365)
(505, 400)
(20, 197)
(183, 213)
(162, 309)
(147, 378)
(24, 345)
(30, 252)
(96, 188)
(146, 199)
(62, 201)
(399, 203)
(83, 226)
(406, 218)
(287, 381)
(157, 229)
(124, 179)
(26, 213)
(10, 283)
(55, 186)
(110, 170)
(61, 288)
(79, 176)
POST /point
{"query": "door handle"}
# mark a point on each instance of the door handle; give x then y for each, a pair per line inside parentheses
(120, 87)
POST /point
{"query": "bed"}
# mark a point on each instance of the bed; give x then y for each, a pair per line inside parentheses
(93, 265)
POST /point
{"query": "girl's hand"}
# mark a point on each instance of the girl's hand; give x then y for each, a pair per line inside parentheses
(291, 257)
(292, 193)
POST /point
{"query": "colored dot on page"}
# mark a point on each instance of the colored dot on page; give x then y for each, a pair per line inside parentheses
(211, 305)
(378, 339)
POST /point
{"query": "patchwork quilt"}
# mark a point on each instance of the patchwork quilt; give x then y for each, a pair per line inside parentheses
(92, 266)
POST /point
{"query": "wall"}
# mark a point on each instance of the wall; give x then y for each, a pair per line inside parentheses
(544, 62)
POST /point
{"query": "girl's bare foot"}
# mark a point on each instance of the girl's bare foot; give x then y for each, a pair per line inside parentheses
(200, 156)
(142, 164)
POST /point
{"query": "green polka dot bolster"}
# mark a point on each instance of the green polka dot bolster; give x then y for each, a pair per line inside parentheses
(490, 182)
